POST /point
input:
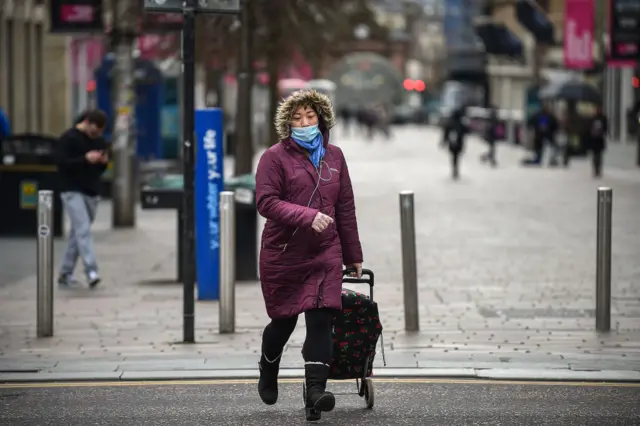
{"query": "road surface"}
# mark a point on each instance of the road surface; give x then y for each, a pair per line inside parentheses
(397, 402)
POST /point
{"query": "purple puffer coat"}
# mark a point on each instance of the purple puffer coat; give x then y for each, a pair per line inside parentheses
(301, 269)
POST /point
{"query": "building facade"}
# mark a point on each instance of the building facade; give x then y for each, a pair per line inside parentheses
(34, 69)
(509, 80)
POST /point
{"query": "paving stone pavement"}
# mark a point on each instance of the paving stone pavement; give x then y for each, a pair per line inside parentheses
(506, 268)
(622, 155)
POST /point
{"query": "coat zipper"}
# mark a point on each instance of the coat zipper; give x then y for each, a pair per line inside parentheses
(308, 205)
(284, 247)
(319, 296)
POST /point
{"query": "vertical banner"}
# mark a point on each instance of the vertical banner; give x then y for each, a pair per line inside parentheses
(209, 182)
(579, 34)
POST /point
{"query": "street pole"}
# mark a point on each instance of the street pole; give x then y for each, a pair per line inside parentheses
(44, 319)
(189, 8)
(124, 143)
(188, 167)
(409, 263)
(244, 124)
(603, 260)
(227, 305)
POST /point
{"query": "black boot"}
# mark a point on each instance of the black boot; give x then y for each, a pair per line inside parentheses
(318, 399)
(268, 383)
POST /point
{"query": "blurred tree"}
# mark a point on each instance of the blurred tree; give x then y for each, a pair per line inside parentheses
(279, 28)
(217, 39)
(244, 102)
(312, 27)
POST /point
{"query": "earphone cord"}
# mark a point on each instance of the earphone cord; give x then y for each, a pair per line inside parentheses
(320, 178)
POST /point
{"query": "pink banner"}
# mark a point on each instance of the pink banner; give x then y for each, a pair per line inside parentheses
(579, 34)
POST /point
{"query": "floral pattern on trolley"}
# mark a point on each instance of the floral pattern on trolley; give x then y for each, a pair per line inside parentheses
(356, 330)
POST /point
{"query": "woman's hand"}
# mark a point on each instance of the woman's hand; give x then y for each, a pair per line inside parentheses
(321, 222)
(358, 268)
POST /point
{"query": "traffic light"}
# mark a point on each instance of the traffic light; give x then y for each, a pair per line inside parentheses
(417, 85)
(635, 82)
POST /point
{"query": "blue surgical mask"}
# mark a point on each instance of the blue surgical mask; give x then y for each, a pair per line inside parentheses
(305, 134)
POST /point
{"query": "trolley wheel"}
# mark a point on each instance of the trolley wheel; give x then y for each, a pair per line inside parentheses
(369, 393)
(304, 393)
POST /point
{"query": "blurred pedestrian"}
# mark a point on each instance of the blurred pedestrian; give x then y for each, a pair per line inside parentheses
(564, 137)
(596, 140)
(491, 136)
(348, 116)
(370, 121)
(545, 127)
(360, 117)
(385, 116)
(455, 137)
(82, 158)
(304, 191)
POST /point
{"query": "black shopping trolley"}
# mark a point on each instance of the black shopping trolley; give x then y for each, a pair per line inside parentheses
(356, 330)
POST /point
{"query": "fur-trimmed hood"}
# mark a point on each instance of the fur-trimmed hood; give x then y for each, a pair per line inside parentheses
(306, 97)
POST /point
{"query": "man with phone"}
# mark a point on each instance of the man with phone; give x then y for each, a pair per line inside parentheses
(82, 158)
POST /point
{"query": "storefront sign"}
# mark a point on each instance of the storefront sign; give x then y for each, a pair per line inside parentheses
(625, 30)
(75, 16)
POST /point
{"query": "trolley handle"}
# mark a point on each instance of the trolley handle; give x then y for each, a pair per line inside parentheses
(367, 277)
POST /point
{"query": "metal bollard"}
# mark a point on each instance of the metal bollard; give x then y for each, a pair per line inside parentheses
(227, 305)
(44, 323)
(603, 260)
(409, 263)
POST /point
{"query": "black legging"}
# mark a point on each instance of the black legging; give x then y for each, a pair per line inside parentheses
(318, 343)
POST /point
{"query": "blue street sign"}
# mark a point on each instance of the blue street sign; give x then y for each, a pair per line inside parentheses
(209, 181)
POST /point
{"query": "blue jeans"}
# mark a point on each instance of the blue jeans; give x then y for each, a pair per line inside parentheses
(81, 209)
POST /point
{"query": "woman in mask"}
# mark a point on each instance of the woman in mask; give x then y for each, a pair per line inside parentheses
(304, 191)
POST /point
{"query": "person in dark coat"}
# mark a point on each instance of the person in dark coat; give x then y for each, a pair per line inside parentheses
(383, 119)
(596, 139)
(304, 191)
(455, 133)
(82, 157)
(347, 114)
(545, 128)
(491, 135)
(370, 121)
(362, 118)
